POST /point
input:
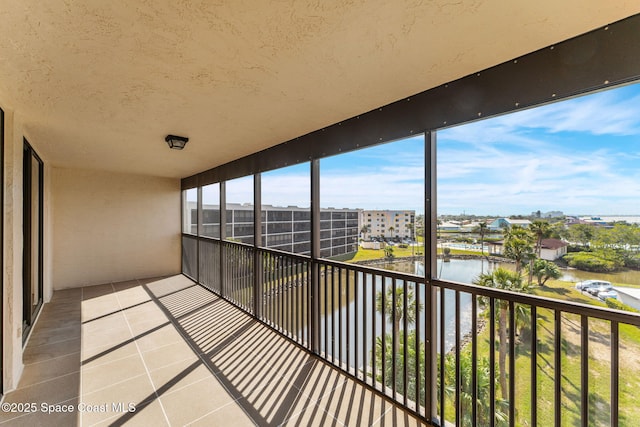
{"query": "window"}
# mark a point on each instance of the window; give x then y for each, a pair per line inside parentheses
(286, 201)
(211, 211)
(190, 211)
(381, 179)
(239, 193)
(566, 171)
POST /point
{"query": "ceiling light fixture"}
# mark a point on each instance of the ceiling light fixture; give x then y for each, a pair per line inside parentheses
(176, 142)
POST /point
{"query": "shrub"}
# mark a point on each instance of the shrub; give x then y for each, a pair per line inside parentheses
(614, 303)
(632, 261)
(578, 248)
(590, 261)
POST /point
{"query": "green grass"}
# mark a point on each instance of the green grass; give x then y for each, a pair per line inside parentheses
(599, 359)
(599, 365)
(398, 252)
(371, 254)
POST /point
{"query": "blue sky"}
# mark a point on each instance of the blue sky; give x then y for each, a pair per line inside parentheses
(579, 156)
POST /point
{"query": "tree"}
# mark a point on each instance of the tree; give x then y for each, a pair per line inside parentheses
(501, 278)
(365, 229)
(412, 393)
(544, 270)
(396, 316)
(481, 229)
(483, 379)
(391, 230)
(518, 245)
(388, 252)
(581, 233)
(409, 227)
(540, 230)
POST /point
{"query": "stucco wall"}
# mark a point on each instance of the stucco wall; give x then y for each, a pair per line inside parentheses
(110, 227)
(12, 246)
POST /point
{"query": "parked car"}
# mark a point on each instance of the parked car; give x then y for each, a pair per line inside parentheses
(586, 284)
(608, 294)
(600, 287)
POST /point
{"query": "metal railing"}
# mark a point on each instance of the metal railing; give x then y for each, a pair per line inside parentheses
(454, 354)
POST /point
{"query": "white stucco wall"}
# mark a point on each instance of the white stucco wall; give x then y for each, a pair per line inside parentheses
(110, 227)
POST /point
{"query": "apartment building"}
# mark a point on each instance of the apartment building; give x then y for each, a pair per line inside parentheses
(388, 223)
(283, 228)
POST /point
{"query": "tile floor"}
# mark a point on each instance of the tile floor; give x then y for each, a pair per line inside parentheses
(177, 355)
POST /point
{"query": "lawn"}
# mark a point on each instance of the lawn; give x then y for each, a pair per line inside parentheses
(599, 360)
(599, 366)
(398, 252)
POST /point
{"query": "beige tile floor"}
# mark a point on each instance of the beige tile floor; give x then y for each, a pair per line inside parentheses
(177, 355)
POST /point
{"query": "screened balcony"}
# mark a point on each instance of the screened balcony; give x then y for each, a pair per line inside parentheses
(315, 129)
(166, 351)
(436, 379)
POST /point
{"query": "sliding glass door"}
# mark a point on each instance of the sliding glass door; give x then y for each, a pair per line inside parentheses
(32, 225)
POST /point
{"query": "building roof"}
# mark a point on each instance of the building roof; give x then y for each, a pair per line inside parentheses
(553, 244)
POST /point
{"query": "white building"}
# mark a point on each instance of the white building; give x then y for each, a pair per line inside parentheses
(388, 223)
(552, 249)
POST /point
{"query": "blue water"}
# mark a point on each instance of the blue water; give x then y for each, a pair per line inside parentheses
(370, 320)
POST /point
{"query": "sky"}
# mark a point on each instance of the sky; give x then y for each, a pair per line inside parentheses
(579, 156)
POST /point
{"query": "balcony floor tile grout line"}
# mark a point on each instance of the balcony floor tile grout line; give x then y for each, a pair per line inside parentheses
(308, 407)
(146, 368)
(144, 403)
(234, 337)
(102, 364)
(53, 358)
(176, 321)
(53, 342)
(114, 347)
(212, 412)
(312, 401)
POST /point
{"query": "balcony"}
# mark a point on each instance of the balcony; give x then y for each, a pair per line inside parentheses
(168, 351)
(553, 361)
(179, 355)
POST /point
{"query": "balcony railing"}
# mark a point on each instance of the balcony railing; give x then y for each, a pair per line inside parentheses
(431, 345)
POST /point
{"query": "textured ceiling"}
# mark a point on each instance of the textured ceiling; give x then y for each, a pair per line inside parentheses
(98, 84)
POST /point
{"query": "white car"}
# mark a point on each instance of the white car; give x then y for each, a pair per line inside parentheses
(608, 294)
(600, 287)
(587, 284)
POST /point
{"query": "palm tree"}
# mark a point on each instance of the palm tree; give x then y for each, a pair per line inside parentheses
(391, 230)
(544, 270)
(518, 245)
(481, 229)
(540, 230)
(501, 278)
(409, 227)
(388, 252)
(400, 311)
(483, 381)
